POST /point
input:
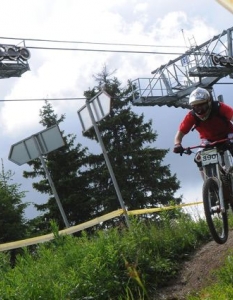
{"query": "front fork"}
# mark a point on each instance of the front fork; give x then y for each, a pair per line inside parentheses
(214, 172)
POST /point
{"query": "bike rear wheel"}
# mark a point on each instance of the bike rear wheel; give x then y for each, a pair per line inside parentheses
(216, 217)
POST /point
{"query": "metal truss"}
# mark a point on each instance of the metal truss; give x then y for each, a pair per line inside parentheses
(202, 65)
(13, 60)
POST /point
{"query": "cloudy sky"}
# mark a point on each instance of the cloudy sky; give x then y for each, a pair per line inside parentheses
(94, 25)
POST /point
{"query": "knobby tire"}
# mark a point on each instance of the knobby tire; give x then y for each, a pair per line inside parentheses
(217, 220)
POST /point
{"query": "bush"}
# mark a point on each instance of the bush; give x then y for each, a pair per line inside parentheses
(111, 264)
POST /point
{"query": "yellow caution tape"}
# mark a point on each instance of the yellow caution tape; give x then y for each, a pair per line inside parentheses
(152, 210)
(228, 4)
(88, 224)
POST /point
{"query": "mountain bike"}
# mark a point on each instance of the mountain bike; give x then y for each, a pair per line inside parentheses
(217, 190)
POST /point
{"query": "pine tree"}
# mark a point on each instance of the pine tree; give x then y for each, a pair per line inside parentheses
(83, 181)
(13, 225)
(64, 165)
(143, 180)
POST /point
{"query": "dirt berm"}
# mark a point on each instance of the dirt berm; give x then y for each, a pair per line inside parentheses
(197, 272)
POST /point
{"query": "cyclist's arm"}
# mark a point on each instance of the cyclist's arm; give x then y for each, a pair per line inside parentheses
(178, 137)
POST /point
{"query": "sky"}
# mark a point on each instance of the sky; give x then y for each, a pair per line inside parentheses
(91, 26)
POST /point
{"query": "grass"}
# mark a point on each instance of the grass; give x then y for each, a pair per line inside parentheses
(222, 289)
(111, 264)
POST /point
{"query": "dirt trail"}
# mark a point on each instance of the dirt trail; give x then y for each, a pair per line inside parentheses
(197, 272)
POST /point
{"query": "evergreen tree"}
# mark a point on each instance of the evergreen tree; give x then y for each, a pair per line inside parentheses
(12, 222)
(83, 181)
(130, 142)
(64, 165)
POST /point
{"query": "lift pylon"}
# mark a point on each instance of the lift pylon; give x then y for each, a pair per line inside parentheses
(202, 65)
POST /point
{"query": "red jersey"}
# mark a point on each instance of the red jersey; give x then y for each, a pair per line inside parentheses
(216, 127)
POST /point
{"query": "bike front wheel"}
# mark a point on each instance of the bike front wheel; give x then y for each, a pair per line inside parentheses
(216, 216)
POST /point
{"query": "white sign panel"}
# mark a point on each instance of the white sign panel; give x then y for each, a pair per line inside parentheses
(50, 139)
(100, 106)
(32, 147)
(23, 151)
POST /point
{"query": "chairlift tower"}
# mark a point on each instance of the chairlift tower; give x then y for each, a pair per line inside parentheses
(13, 60)
(200, 66)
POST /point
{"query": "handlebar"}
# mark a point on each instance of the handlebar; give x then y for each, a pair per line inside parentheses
(188, 150)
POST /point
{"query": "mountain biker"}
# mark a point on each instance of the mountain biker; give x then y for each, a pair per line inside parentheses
(212, 120)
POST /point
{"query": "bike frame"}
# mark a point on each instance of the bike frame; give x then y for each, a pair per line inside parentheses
(212, 161)
(217, 188)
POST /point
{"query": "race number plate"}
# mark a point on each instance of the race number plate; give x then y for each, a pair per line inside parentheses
(209, 157)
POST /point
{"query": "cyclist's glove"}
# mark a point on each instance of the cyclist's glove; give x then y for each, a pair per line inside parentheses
(205, 143)
(178, 149)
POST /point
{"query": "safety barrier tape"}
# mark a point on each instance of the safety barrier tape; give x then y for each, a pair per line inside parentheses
(88, 224)
(152, 210)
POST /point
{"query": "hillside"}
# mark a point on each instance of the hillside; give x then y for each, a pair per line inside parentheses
(197, 272)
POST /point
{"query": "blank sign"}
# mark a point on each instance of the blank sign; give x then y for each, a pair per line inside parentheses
(32, 147)
(50, 139)
(100, 107)
(23, 151)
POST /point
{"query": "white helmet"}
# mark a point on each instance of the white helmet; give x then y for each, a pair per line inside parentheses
(201, 103)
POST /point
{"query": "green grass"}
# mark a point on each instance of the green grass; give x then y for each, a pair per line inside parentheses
(222, 289)
(111, 264)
